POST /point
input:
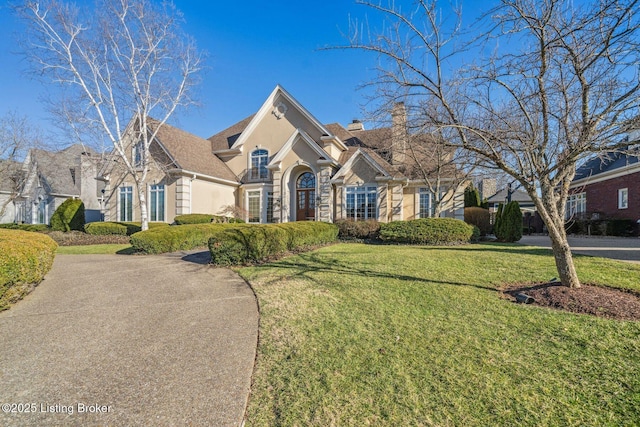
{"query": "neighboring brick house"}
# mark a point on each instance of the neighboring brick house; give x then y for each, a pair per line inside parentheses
(278, 165)
(606, 187)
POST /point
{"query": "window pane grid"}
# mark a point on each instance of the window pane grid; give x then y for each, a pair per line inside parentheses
(126, 204)
(361, 203)
(253, 200)
(157, 202)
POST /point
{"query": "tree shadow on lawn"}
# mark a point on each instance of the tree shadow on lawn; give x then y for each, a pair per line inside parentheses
(315, 264)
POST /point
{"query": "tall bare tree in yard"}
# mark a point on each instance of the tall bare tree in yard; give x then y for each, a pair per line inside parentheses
(17, 137)
(121, 63)
(533, 87)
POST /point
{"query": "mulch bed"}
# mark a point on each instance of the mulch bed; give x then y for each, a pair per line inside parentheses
(598, 301)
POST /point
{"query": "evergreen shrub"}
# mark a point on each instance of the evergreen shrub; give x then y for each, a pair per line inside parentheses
(238, 244)
(69, 216)
(25, 257)
(510, 223)
(25, 227)
(427, 231)
(205, 219)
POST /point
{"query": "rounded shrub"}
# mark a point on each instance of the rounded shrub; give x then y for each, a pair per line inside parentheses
(479, 217)
(69, 216)
(350, 229)
(427, 231)
(105, 229)
(25, 258)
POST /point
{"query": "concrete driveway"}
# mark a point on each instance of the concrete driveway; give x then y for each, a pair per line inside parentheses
(620, 248)
(129, 340)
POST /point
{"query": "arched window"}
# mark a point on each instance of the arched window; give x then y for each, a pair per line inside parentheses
(307, 180)
(259, 160)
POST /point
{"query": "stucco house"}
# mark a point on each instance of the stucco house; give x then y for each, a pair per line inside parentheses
(280, 164)
(45, 179)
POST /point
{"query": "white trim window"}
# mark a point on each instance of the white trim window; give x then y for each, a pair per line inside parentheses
(253, 206)
(426, 205)
(269, 206)
(623, 198)
(259, 160)
(361, 203)
(156, 202)
(576, 204)
(125, 203)
(43, 211)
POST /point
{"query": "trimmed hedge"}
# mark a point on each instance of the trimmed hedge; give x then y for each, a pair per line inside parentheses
(159, 240)
(350, 229)
(25, 227)
(118, 228)
(427, 231)
(204, 219)
(68, 216)
(238, 244)
(25, 258)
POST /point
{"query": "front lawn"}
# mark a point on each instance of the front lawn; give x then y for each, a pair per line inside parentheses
(358, 335)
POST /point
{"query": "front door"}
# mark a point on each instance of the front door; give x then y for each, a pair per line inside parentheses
(306, 197)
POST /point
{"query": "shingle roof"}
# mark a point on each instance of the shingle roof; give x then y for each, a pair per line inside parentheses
(191, 152)
(59, 168)
(378, 143)
(604, 163)
(519, 196)
(224, 140)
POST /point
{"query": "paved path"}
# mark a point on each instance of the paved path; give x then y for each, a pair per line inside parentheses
(620, 248)
(151, 340)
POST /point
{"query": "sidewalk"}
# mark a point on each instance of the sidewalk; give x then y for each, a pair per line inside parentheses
(129, 340)
(620, 248)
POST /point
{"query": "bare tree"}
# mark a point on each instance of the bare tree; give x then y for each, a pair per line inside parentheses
(121, 63)
(17, 137)
(532, 88)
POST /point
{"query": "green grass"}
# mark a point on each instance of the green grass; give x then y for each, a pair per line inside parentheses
(95, 249)
(356, 335)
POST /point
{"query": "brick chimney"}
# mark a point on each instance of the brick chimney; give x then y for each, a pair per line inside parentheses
(398, 133)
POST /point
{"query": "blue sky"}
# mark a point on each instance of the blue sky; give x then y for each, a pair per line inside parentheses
(252, 46)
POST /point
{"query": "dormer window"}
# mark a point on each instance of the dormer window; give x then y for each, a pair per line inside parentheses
(259, 159)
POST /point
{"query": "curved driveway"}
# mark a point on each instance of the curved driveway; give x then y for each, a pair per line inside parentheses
(129, 340)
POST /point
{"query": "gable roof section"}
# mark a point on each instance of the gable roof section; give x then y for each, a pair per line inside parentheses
(192, 153)
(267, 108)
(225, 139)
(298, 135)
(349, 157)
